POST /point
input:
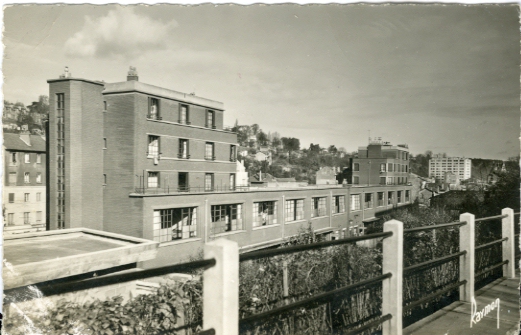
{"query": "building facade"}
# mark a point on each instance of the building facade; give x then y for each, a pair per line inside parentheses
(460, 166)
(24, 194)
(154, 163)
(381, 163)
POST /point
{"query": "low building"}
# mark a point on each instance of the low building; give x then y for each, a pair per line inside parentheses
(326, 176)
(24, 193)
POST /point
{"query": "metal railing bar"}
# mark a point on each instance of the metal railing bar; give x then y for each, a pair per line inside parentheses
(370, 325)
(210, 331)
(433, 295)
(517, 213)
(436, 226)
(491, 268)
(312, 300)
(49, 288)
(303, 247)
(491, 218)
(516, 235)
(482, 246)
(433, 262)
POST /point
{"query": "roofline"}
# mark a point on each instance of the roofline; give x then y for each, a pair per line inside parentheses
(76, 79)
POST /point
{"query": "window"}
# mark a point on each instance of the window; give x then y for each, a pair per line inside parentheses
(153, 109)
(104, 143)
(183, 114)
(264, 213)
(27, 158)
(27, 177)
(209, 151)
(182, 182)
(389, 198)
(38, 196)
(27, 218)
(400, 200)
(104, 105)
(382, 167)
(340, 206)
(60, 160)
(11, 198)
(356, 180)
(356, 167)
(26, 197)
(233, 153)
(407, 196)
(382, 180)
(294, 210)
(153, 179)
(104, 179)
(183, 149)
(12, 178)
(210, 119)
(368, 200)
(39, 217)
(39, 177)
(380, 199)
(318, 207)
(175, 224)
(10, 219)
(389, 167)
(208, 182)
(13, 159)
(153, 146)
(355, 202)
(226, 218)
(232, 182)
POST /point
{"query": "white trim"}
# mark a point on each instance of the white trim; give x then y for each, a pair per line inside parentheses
(229, 233)
(191, 126)
(192, 160)
(181, 241)
(265, 227)
(290, 222)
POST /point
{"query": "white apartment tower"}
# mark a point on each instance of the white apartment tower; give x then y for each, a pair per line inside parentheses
(439, 165)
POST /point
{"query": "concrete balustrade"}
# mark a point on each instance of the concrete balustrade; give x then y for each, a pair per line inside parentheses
(467, 261)
(392, 288)
(509, 247)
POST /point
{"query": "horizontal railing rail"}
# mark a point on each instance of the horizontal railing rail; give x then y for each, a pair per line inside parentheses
(431, 296)
(489, 244)
(433, 262)
(370, 325)
(315, 299)
(304, 247)
(436, 226)
(190, 189)
(490, 268)
(50, 288)
(488, 218)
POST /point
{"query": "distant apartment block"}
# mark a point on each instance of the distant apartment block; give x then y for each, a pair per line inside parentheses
(459, 166)
(153, 163)
(24, 180)
(381, 163)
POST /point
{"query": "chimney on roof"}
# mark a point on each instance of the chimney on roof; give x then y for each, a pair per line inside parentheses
(132, 74)
(66, 73)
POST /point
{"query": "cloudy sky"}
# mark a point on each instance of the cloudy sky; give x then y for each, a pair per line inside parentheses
(440, 78)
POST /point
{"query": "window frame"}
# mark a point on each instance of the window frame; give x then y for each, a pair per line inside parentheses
(38, 177)
(27, 177)
(11, 198)
(173, 224)
(152, 174)
(318, 207)
(211, 178)
(264, 213)
(340, 204)
(226, 218)
(293, 209)
(153, 150)
(27, 158)
(206, 146)
(181, 152)
(210, 112)
(355, 203)
(187, 115)
(157, 115)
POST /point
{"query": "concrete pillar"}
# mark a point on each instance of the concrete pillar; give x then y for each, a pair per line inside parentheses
(466, 264)
(508, 245)
(392, 292)
(221, 288)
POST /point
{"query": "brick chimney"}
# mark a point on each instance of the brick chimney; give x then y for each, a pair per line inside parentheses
(132, 74)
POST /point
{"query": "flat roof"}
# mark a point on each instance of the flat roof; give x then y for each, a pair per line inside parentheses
(37, 257)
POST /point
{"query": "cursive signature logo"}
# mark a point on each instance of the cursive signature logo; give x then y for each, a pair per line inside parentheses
(477, 316)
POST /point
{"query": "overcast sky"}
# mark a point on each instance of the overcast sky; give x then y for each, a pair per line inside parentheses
(440, 78)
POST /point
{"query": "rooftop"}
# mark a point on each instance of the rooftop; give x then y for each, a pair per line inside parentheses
(15, 142)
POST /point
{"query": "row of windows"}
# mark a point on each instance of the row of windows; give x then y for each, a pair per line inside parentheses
(154, 113)
(26, 218)
(26, 197)
(154, 149)
(385, 180)
(27, 178)
(181, 223)
(389, 167)
(13, 158)
(368, 199)
(154, 181)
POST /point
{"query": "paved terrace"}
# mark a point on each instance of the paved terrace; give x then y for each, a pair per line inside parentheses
(455, 318)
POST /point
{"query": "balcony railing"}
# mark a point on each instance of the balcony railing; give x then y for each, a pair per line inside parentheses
(189, 189)
(183, 156)
(154, 117)
(210, 158)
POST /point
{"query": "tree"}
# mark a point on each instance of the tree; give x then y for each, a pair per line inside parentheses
(262, 138)
(276, 142)
(505, 192)
(255, 128)
(314, 148)
(332, 150)
(290, 144)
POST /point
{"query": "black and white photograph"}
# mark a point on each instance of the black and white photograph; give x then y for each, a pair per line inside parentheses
(262, 169)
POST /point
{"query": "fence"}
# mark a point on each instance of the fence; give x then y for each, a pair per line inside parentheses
(222, 259)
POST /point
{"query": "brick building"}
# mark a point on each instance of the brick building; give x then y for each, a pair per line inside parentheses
(24, 181)
(154, 163)
(381, 163)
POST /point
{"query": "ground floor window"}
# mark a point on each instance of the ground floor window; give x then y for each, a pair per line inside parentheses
(27, 218)
(39, 217)
(10, 219)
(175, 224)
(340, 204)
(264, 213)
(390, 198)
(407, 196)
(355, 202)
(294, 210)
(400, 199)
(380, 199)
(226, 218)
(368, 200)
(318, 207)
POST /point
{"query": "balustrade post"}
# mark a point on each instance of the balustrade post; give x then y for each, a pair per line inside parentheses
(508, 245)
(392, 288)
(221, 288)
(466, 263)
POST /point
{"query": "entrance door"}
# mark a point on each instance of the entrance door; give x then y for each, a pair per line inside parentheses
(183, 182)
